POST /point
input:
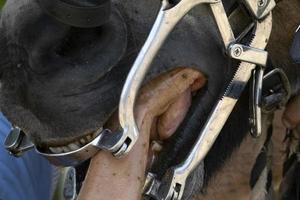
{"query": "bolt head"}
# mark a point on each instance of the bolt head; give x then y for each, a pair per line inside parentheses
(237, 51)
(262, 3)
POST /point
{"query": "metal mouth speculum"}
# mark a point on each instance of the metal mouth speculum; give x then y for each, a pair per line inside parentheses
(172, 185)
(18, 143)
(121, 142)
(168, 17)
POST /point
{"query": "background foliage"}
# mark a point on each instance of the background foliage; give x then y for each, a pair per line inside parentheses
(2, 3)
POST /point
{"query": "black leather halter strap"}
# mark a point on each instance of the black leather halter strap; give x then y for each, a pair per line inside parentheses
(84, 16)
(295, 49)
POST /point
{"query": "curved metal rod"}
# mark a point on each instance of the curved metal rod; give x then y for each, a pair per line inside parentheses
(176, 177)
(166, 20)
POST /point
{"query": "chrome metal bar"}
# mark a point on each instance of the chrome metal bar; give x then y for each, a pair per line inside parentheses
(248, 54)
(223, 23)
(260, 8)
(255, 102)
(166, 20)
(173, 183)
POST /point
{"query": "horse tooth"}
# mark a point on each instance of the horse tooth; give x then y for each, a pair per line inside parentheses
(52, 149)
(156, 146)
(73, 146)
(56, 149)
(78, 144)
(89, 138)
(95, 134)
(59, 149)
(82, 141)
(65, 149)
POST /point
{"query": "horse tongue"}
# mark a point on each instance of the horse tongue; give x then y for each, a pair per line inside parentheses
(169, 96)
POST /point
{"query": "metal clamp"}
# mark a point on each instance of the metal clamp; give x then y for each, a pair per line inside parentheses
(17, 143)
(173, 183)
(248, 54)
(73, 158)
(169, 15)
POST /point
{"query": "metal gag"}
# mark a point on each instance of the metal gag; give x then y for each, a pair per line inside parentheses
(17, 143)
(168, 17)
(172, 185)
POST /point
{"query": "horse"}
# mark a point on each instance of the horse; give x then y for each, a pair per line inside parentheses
(61, 83)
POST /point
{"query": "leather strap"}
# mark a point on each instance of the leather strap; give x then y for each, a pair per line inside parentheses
(295, 49)
(75, 15)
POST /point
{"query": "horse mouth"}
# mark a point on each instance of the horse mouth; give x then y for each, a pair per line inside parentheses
(73, 146)
(161, 106)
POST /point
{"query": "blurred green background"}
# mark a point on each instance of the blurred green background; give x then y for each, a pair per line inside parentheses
(2, 3)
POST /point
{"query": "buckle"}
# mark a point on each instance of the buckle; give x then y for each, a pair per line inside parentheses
(276, 90)
(268, 93)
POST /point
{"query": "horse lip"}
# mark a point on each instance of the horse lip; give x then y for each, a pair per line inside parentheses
(62, 145)
(69, 143)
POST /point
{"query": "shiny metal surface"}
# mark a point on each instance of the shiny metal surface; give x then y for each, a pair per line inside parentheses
(151, 186)
(255, 102)
(248, 54)
(16, 142)
(167, 18)
(260, 8)
(69, 185)
(73, 158)
(222, 21)
(173, 183)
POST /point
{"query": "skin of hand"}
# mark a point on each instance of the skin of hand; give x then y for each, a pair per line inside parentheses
(162, 102)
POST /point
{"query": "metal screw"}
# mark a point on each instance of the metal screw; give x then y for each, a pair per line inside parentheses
(237, 51)
(262, 3)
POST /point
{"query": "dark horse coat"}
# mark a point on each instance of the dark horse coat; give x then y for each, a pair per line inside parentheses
(59, 82)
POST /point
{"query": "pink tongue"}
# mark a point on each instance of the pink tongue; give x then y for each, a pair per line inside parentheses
(160, 108)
